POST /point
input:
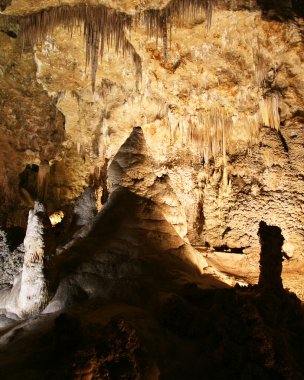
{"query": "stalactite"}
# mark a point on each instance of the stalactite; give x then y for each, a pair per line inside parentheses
(213, 129)
(205, 135)
(96, 177)
(102, 27)
(105, 27)
(254, 123)
(43, 179)
(269, 111)
(260, 68)
(157, 21)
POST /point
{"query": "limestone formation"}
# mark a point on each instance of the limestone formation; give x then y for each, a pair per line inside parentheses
(222, 115)
(10, 261)
(164, 132)
(132, 168)
(33, 294)
(85, 208)
(127, 294)
(29, 294)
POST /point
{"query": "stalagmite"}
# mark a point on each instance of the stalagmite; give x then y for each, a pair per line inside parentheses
(33, 294)
(157, 22)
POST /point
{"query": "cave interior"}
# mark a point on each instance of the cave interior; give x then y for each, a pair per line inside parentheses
(152, 189)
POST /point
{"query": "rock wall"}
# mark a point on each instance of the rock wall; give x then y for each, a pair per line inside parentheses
(243, 76)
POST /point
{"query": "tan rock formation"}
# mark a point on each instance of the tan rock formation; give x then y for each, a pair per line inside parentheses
(33, 295)
(245, 72)
(29, 294)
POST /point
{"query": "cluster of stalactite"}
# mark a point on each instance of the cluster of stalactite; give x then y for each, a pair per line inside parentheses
(269, 111)
(206, 135)
(104, 27)
(159, 21)
(210, 134)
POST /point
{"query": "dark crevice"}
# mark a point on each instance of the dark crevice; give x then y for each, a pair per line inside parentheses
(271, 240)
(104, 176)
(15, 236)
(298, 116)
(298, 113)
(28, 182)
(4, 4)
(200, 218)
(298, 7)
(225, 248)
(281, 10)
(283, 141)
(228, 229)
(301, 177)
(10, 33)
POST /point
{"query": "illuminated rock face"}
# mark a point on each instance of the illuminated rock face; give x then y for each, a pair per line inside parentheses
(245, 73)
(133, 168)
(29, 294)
(33, 294)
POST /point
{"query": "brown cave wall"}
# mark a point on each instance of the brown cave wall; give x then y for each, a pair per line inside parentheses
(31, 127)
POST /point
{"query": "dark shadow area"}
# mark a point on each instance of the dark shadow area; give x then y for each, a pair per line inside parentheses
(15, 236)
(191, 334)
(129, 228)
(10, 33)
(4, 4)
(225, 248)
(298, 7)
(28, 182)
(271, 240)
(138, 310)
(281, 10)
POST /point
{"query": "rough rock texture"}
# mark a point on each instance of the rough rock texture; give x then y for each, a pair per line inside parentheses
(133, 168)
(135, 307)
(31, 127)
(33, 294)
(129, 243)
(85, 208)
(29, 293)
(243, 72)
(10, 262)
